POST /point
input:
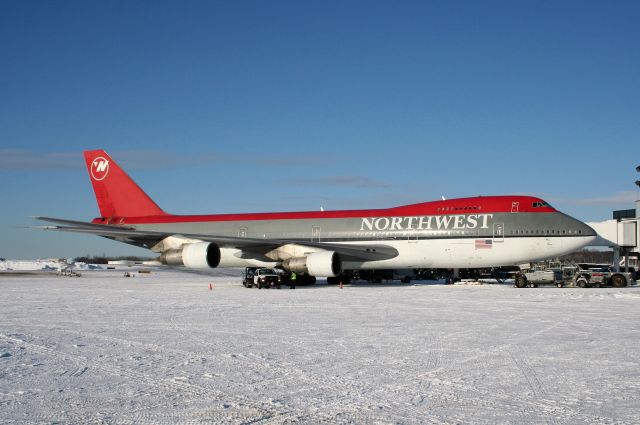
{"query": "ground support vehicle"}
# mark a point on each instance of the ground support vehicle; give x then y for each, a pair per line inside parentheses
(602, 277)
(540, 277)
(260, 278)
(581, 276)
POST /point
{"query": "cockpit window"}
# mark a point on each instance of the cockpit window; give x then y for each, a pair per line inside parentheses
(540, 204)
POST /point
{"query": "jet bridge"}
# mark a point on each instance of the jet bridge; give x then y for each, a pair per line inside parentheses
(622, 233)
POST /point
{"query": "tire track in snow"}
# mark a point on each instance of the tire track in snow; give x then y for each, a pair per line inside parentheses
(174, 385)
(528, 372)
(173, 358)
(553, 412)
(281, 371)
(489, 352)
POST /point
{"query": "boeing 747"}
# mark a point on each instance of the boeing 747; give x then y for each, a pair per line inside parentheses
(482, 231)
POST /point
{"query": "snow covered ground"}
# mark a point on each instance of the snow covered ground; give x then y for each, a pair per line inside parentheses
(163, 348)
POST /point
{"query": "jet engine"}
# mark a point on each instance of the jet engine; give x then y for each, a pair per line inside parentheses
(201, 255)
(322, 263)
(207, 255)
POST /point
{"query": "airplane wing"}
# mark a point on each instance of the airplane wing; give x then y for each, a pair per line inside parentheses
(251, 246)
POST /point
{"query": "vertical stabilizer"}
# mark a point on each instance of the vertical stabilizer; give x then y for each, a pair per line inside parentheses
(116, 193)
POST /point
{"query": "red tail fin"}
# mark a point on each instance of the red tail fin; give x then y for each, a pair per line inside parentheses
(117, 194)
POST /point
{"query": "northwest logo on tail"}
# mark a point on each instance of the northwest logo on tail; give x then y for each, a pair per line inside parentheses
(99, 168)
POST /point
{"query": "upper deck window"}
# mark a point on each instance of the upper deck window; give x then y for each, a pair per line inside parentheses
(474, 208)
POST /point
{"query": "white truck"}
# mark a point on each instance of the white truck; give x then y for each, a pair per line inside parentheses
(260, 278)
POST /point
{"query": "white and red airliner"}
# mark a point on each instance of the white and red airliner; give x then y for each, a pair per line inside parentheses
(482, 231)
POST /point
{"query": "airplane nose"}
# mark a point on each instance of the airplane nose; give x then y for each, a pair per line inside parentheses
(588, 233)
(586, 229)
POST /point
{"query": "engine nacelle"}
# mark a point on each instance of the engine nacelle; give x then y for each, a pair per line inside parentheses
(207, 255)
(201, 255)
(322, 263)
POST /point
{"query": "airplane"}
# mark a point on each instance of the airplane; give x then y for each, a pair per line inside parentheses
(474, 232)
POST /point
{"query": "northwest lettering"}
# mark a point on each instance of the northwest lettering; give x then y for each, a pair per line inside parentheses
(429, 222)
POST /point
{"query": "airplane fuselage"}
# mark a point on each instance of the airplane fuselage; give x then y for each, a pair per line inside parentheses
(456, 233)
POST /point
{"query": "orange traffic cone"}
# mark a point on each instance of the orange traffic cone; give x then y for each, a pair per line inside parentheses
(340, 284)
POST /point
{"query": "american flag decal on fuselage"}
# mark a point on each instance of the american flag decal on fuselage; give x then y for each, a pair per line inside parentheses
(484, 244)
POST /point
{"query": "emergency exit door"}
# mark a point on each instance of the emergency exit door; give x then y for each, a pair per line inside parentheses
(498, 232)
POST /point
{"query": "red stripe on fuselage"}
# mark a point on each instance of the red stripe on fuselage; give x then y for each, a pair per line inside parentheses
(475, 205)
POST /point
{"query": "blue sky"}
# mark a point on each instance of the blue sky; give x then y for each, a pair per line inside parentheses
(239, 106)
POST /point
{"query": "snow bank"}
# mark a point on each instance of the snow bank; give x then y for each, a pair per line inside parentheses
(44, 265)
(30, 265)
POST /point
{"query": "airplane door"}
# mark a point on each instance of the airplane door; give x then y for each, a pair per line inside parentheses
(498, 232)
(242, 233)
(315, 234)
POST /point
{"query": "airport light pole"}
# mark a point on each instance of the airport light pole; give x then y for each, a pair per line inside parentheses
(638, 201)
